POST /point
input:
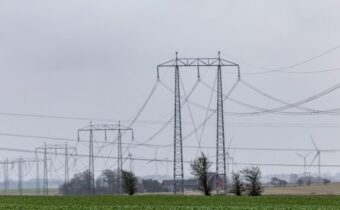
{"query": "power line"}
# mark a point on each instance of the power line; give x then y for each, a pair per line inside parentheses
(163, 145)
(164, 160)
(281, 69)
(280, 110)
(55, 117)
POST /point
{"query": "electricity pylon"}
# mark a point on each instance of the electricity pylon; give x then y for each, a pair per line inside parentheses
(105, 128)
(20, 176)
(56, 149)
(6, 176)
(176, 64)
(20, 161)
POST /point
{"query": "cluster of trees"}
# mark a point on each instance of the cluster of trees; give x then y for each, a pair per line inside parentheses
(106, 183)
(309, 180)
(276, 182)
(247, 180)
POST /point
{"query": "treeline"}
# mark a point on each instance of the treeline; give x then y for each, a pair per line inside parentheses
(108, 183)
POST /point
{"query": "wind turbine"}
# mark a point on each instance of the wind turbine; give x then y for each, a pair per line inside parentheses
(156, 162)
(228, 155)
(317, 155)
(131, 161)
(304, 161)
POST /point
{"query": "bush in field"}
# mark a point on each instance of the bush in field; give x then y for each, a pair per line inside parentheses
(326, 181)
(300, 182)
(253, 184)
(200, 168)
(237, 187)
(129, 182)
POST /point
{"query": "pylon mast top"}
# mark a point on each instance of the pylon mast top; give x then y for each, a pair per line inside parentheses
(198, 62)
(105, 127)
(22, 160)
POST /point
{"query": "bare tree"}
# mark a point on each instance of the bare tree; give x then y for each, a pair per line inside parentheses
(129, 182)
(237, 186)
(78, 185)
(253, 177)
(200, 168)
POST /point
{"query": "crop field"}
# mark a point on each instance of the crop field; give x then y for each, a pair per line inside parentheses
(165, 202)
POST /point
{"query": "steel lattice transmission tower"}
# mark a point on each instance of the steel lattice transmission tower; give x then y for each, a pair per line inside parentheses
(43, 149)
(220, 136)
(6, 176)
(45, 182)
(220, 139)
(105, 128)
(20, 176)
(178, 145)
(65, 150)
(20, 161)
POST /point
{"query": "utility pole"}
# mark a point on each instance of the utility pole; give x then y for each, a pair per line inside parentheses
(105, 128)
(220, 141)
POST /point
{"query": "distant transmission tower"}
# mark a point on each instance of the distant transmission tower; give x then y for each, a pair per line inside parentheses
(37, 179)
(57, 149)
(20, 176)
(6, 176)
(20, 161)
(220, 139)
(68, 151)
(42, 149)
(105, 128)
(45, 182)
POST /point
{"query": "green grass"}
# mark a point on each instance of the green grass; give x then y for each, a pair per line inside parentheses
(167, 202)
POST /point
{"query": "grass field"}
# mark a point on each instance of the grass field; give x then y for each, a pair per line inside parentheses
(165, 202)
(314, 189)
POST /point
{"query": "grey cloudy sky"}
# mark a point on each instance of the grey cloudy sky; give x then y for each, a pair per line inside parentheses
(98, 59)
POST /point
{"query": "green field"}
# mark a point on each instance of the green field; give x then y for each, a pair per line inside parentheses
(168, 202)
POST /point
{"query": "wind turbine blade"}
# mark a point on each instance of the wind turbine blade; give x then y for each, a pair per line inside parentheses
(308, 154)
(316, 155)
(150, 161)
(300, 155)
(231, 140)
(316, 148)
(233, 153)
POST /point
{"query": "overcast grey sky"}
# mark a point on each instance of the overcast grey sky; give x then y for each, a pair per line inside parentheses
(98, 59)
